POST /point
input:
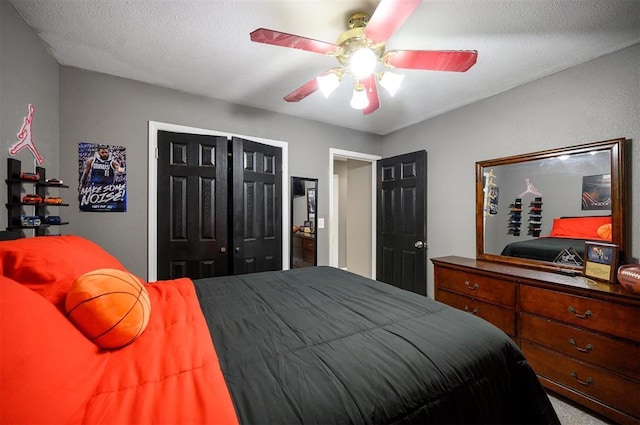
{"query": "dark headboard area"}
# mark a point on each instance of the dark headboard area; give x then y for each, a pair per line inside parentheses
(6, 235)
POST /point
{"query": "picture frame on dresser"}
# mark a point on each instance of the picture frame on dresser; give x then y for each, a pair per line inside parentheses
(600, 261)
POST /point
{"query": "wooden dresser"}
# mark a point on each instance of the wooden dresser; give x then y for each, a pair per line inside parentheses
(303, 250)
(583, 341)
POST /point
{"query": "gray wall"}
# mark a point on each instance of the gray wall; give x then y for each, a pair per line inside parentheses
(99, 108)
(591, 102)
(28, 75)
(598, 100)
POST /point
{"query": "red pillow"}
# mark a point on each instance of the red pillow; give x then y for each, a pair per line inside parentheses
(49, 369)
(579, 227)
(50, 264)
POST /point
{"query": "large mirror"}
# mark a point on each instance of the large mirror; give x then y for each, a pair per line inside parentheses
(537, 210)
(304, 204)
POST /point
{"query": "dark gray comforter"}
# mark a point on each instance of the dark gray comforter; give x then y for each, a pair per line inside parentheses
(545, 249)
(321, 345)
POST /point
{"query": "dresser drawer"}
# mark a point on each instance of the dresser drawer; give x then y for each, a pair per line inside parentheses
(613, 354)
(597, 383)
(478, 286)
(600, 316)
(503, 318)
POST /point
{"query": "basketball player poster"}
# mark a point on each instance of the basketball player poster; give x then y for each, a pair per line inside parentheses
(102, 186)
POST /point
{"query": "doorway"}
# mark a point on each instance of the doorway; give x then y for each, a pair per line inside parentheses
(352, 207)
(152, 235)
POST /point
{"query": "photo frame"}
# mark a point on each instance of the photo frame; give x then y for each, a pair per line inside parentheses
(311, 203)
(600, 261)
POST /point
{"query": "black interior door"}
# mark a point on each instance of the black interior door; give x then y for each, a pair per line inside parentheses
(257, 207)
(401, 221)
(192, 206)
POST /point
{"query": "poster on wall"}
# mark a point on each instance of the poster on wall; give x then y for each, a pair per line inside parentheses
(102, 186)
(596, 192)
(491, 191)
(492, 200)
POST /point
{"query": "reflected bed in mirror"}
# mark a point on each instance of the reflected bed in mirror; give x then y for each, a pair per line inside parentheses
(538, 209)
(304, 195)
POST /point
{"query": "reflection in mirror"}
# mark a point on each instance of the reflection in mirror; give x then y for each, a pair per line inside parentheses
(304, 195)
(538, 209)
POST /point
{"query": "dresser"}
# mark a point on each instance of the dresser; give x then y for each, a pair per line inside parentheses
(582, 340)
(303, 250)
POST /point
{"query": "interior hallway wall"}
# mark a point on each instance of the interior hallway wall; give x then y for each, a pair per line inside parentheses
(359, 219)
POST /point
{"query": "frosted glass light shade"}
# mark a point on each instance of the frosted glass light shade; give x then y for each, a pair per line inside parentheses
(363, 62)
(391, 82)
(328, 83)
(359, 99)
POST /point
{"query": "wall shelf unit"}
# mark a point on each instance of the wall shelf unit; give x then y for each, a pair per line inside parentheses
(17, 187)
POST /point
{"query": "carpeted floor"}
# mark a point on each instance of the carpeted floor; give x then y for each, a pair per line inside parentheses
(572, 414)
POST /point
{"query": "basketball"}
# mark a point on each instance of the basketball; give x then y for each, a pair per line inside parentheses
(604, 231)
(110, 307)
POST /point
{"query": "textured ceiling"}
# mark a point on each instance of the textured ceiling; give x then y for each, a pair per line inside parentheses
(203, 47)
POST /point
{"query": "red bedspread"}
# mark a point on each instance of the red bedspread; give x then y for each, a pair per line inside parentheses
(52, 374)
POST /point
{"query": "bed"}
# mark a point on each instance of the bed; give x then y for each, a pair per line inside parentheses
(314, 345)
(566, 238)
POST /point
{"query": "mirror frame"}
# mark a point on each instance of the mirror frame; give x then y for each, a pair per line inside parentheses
(616, 147)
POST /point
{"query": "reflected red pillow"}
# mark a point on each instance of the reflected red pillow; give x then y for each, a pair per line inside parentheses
(579, 227)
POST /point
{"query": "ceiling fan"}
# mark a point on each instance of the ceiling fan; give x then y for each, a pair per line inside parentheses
(361, 48)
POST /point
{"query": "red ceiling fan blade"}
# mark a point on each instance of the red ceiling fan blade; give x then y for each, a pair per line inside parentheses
(300, 93)
(372, 93)
(433, 60)
(277, 38)
(388, 17)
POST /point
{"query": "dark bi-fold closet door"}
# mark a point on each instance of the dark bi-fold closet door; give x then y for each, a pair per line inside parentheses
(219, 206)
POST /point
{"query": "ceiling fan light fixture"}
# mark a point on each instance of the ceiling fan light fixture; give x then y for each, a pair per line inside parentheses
(328, 83)
(391, 81)
(360, 48)
(363, 62)
(359, 99)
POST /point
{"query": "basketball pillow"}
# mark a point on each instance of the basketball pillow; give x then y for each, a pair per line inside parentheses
(109, 306)
(604, 231)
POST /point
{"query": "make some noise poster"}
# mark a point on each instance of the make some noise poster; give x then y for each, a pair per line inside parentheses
(102, 186)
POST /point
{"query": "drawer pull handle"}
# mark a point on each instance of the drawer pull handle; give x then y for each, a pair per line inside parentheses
(474, 311)
(588, 382)
(586, 315)
(470, 286)
(586, 349)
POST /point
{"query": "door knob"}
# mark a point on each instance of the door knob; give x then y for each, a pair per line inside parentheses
(420, 244)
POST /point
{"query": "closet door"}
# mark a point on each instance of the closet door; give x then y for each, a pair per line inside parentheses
(192, 206)
(257, 207)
